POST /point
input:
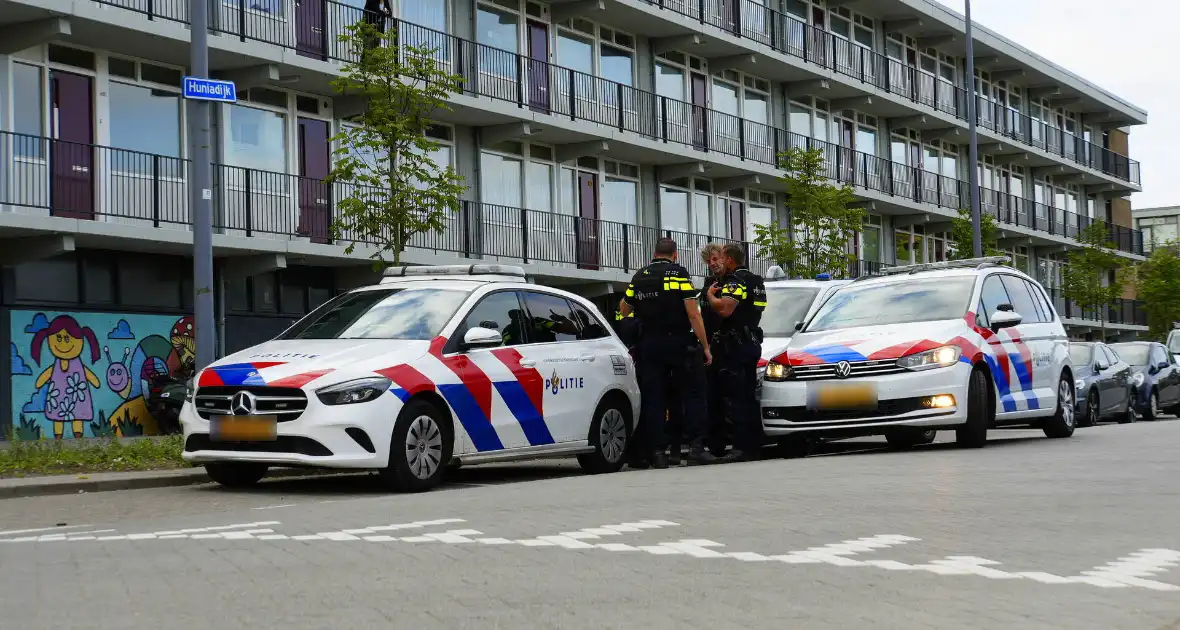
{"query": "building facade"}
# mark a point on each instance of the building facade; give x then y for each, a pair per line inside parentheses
(585, 130)
(1160, 226)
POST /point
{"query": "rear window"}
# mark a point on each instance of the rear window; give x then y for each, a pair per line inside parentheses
(394, 313)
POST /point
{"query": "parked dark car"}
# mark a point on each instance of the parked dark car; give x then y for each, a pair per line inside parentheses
(1103, 386)
(1155, 377)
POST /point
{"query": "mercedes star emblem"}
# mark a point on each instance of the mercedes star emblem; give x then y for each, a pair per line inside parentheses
(242, 404)
(843, 369)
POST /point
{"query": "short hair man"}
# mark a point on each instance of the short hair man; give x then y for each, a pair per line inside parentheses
(672, 343)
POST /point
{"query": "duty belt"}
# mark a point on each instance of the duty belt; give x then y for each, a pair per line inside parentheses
(732, 337)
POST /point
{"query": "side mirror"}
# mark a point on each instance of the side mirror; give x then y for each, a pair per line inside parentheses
(1098, 368)
(482, 338)
(1153, 370)
(1005, 319)
(1163, 365)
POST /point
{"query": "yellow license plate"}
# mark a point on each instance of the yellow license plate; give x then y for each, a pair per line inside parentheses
(244, 428)
(842, 397)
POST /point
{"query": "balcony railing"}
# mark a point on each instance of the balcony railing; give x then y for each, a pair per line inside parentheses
(1122, 311)
(83, 181)
(311, 28)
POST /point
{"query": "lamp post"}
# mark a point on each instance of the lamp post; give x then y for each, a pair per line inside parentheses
(201, 188)
(973, 152)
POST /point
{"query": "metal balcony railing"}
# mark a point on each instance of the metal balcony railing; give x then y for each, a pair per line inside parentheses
(1122, 311)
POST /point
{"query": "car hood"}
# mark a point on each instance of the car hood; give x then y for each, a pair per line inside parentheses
(296, 362)
(871, 342)
(774, 346)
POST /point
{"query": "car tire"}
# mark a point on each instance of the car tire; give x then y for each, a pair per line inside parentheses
(910, 437)
(1063, 422)
(419, 448)
(236, 474)
(1092, 407)
(973, 434)
(610, 433)
(1152, 412)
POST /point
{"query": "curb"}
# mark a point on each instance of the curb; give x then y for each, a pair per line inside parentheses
(106, 482)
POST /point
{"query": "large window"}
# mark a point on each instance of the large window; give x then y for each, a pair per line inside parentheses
(500, 312)
(146, 120)
(790, 306)
(255, 138)
(418, 314)
(428, 13)
(28, 108)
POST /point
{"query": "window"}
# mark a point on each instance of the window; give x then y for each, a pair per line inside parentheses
(237, 294)
(500, 312)
(255, 138)
(146, 120)
(552, 319)
(897, 302)
(592, 327)
(264, 299)
(292, 296)
(674, 209)
(1038, 294)
(418, 314)
(1158, 356)
(1111, 357)
(1081, 354)
(1133, 353)
(993, 296)
(1022, 300)
(28, 109)
(790, 306)
(428, 13)
(50, 280)
(98, 280)
(152, 283)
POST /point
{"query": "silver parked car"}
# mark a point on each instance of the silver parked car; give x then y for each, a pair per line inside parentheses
(1104, 385)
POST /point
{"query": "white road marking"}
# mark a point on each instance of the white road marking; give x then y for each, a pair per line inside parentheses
(42, 529)
(275, 507)
(1135, 568)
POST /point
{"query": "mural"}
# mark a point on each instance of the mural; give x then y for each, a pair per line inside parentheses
(68, 382)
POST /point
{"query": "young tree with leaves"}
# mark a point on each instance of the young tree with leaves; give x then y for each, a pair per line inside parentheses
(821, 222)
(393, 187)
(1086, 274)
(962, 236)
(1157, 285)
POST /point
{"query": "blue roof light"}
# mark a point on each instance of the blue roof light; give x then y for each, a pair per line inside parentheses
(824, 276)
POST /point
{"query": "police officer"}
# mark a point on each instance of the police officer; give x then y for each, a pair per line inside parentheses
(717, 430)
(672, 346)
(739, 299)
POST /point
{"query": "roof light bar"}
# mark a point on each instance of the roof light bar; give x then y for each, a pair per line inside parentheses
(977, 263)
(454, 270)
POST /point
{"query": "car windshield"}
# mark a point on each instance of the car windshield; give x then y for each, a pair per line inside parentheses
(1080, 353)
(909, 301)
(1133, 353)
(1174, 341)
(393, 313)
(785, 307)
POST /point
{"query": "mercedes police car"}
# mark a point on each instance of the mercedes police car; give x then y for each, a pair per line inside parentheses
(431, 368)
(964, 345)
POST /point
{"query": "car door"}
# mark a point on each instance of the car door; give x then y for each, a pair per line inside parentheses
(1167, 377)
(486, 413)
(1104, 381)
(1120, 387)
(566, 364)
(1034, 341)
(992, 298)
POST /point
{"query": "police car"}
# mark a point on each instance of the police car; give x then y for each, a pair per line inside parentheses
(965, 345)
(788, 303)
(431, 368)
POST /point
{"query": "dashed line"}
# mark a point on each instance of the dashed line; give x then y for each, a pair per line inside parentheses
(275, 507)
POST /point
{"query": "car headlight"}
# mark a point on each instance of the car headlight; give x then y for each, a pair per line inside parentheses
(1079, 385)
(189, 390)
(776, 371)
(945, 356)
(351, 392)
(1137, 379)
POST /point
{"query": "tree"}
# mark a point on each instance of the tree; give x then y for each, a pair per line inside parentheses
(1157, 284)
(1086, 275)
(962, 241)
(821, 223)
(392, 186)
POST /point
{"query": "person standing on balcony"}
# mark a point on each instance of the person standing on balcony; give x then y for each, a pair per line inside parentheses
(672, 342)
(739, 299)
(376, 12)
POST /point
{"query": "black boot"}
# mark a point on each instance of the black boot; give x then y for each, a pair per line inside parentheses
(674, 455)
(659, 460)
(741, 456)
(698, 456)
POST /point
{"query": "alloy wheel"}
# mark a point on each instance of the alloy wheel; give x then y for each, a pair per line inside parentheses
(1065, 398)
(424, 447)
(612, 435)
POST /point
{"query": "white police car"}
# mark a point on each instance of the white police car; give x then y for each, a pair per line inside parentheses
(434, 366)
(788, 303)
(967, 345)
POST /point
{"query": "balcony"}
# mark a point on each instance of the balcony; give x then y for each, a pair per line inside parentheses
(1121, 312)
(311, 27)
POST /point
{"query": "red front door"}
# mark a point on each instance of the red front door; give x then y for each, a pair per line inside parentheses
(587, 221)
(315, 194)
(538, 80)
(71, 156)
(309, 28)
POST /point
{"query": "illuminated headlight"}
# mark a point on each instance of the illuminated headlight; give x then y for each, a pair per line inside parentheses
(1137, 379)
(350, 392)
(776, 371)
(189, 390)
(945, 356)
(941, 401)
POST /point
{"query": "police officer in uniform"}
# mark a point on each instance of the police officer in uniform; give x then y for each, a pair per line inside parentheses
(672, 347)
(739, 299)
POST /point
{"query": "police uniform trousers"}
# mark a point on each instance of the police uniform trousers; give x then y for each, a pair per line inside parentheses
(737, 382)
(671, 367)
(717, 424)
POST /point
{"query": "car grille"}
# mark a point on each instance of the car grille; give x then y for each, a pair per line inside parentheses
(286, 403)
(283, 445)
(859, 369)
(884, 409)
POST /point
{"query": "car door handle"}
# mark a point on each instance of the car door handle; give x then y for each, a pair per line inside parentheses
(527, 363)
(589, 358)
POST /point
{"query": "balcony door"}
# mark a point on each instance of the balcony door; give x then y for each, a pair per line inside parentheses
(71, 186)
(588, 250)
(538, 43)
(315, 195)
(735, 224)
(700, 103)
(309, 28)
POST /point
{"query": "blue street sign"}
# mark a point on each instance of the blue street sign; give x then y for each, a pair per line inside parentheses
(210, 90)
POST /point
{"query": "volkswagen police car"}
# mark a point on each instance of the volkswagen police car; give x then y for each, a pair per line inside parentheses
(964, 345)
(431, 368)
(788, 303)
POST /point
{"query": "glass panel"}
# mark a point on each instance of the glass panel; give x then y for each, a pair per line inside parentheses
(143, 119)
(871, 245)
(428, 13)
(800, 120)
(539, 195)
(501, 183)
(674, 209)
(701, 214)
(552, 319)
(497, 30)
(617, 65)
(725, 98)
(790, 306)
(900, 302)
(670, 82)
(28, 106)
(575, 53)
(756, 108)
(1022, 301)
(567, 187)
(257, 139)
(418, 314)
(620, 201)
(866, 140)
(499, 312)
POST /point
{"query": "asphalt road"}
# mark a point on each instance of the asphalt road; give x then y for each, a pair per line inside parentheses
(1026, 533)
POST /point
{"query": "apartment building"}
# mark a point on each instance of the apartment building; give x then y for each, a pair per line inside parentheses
(586, 129)
(1160, 226)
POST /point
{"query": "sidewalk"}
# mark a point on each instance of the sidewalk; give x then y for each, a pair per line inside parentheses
(107, 481)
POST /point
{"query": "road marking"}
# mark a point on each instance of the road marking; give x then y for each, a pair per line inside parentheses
(1135, 569)
(41, 529)
(275, 507)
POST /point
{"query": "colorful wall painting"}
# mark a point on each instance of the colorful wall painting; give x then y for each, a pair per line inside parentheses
(77, 375)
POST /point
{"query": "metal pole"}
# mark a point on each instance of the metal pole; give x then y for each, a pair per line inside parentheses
(973, 152)
(201, 189)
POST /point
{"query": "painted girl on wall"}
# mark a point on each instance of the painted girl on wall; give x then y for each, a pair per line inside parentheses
(69, 399)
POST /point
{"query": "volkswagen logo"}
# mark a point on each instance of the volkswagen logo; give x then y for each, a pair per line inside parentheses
(843, 369)
(242, 404)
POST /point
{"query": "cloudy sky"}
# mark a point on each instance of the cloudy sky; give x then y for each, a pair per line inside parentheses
(1125, 50)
